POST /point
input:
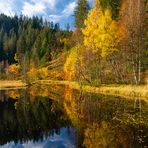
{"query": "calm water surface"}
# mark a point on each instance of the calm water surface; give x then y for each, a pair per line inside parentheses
(59, 117)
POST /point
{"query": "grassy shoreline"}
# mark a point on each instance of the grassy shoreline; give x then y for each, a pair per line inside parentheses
(11, 84)
(127, 91)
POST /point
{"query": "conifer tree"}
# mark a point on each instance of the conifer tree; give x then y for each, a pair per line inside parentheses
(80, 13)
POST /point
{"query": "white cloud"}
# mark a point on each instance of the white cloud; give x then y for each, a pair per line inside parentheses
(50, 3)
(38, 7)
(33, 9)
(67, 12)
(6, 7)
(69, 9)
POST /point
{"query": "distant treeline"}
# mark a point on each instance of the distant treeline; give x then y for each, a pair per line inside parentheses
(29, 39)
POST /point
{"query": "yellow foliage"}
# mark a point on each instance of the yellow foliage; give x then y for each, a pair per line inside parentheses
(32, 73)
(64, 40)
(100, 33)
(43, 72)
(58, 75)
(13, 69)
(70, 65)
(73, 63)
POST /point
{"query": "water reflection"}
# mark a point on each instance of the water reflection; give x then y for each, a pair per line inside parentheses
(108, 122)
(62, 140)
(60, 117)
(27, 116)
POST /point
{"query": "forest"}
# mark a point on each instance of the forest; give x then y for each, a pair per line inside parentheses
(108, 45)
(81, 85)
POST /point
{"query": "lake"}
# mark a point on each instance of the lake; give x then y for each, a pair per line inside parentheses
(56, 116)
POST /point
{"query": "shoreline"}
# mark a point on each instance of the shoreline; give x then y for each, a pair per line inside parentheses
(126, 91)
(11, 84)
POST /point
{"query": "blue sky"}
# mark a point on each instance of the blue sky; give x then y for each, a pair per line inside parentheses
(60, 11)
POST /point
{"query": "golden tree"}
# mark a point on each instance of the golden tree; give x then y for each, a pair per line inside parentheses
(72, 67)
(13, 70)
(100, 33)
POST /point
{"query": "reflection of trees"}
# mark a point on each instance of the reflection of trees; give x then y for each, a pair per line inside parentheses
(73, 104)
(105, 135)
(97, 135)
(24, 119)
(51, 91)
(107, 121)
(100, 121)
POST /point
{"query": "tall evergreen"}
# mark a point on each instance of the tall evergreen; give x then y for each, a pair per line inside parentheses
(113, 5)
(28, 41)
(80, 13)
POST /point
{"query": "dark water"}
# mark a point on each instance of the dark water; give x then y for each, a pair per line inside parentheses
(59, 117)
